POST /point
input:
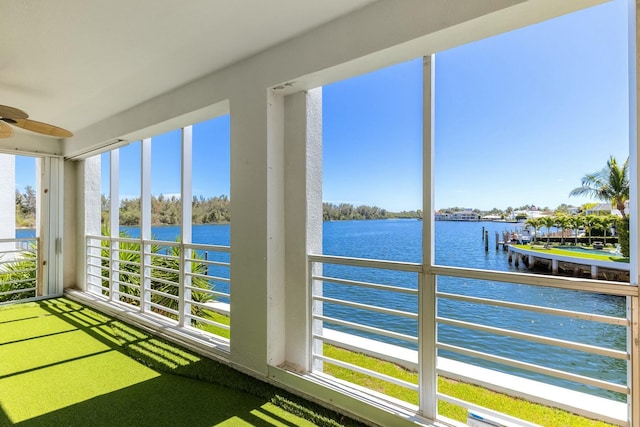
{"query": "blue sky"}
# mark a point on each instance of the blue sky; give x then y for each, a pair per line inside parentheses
(520, 118)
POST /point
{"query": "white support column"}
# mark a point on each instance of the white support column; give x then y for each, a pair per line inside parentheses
(186, 227)
(252, 260)
(114, 222)
(145, 224)
(427, 282)
(303, 216)
(42, 209)
(276, 303)
(7, 200)
(91, 201)
(633, 365)
(56, 224)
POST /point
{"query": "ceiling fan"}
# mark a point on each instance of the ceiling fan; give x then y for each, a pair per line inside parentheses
(16, 117)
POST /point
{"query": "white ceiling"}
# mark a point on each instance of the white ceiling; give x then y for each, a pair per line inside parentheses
(73, 63)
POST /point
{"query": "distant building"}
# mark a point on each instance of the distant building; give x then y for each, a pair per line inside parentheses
(528, 213)
(465, 216)
(606, 209)
(441, 216)
(491, 218)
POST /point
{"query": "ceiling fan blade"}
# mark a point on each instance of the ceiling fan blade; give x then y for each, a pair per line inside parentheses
(43, 128)
(12, 113)
(5, 130)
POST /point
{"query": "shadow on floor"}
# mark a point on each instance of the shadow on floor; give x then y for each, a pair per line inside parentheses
(185, 389)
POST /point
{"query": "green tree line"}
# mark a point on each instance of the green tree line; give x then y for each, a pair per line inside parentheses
(215, 210)
(347, 211)
(167, 210)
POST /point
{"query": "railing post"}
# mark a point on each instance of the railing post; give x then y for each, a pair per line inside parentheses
(633, 365)
(114, 266)
(184, 293)
(315, 289)
(427, 349)
(145, 275)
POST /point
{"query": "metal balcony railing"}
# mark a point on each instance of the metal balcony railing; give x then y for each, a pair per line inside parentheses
(19, 277)
(187, 284)
(560, 342)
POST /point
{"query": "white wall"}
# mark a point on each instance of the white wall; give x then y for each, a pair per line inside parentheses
(7, 200)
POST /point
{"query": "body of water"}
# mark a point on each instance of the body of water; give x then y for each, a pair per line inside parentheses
(456, 244)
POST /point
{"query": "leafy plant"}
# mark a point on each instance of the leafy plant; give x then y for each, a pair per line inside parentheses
(24, 272)
(165, 276)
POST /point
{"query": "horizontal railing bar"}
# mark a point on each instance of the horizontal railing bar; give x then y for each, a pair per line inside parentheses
(165, 269)
(213, 248)
(211, 278)
(207, 291)
(160, 242)
(210, 322)
(18, 254)
(164, 281)
(366, 328)
(19, 240)
(127, 284)
(367, 307)
(126, 273)
(163, 294)
(122, 294)
(365, 371)
(163, 256)
(209, 262)
(28, 270)
(163, 308)
(117, 251)
(571, 283)
(17, 260)
(538, 309)
(203, 305)
(587, 285)
(536, 338)
(16, 282)
(472, 406)
(17, 291)
(123, 240)
(100, 257)
(215, 293)
(125, 262)
(369, 285)
(369, 351)
(365, 262)
(619, 388)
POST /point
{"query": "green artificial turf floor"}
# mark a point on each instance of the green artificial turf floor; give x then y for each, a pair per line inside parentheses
(63, 364)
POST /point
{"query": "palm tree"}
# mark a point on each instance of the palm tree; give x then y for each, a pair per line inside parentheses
(611, 184)
(577, 221)
(607, 222)
(563, 222)
(591, 222)
(548, 222)
(535, 223)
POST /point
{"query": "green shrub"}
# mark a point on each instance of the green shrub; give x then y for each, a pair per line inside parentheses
(623, 236)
